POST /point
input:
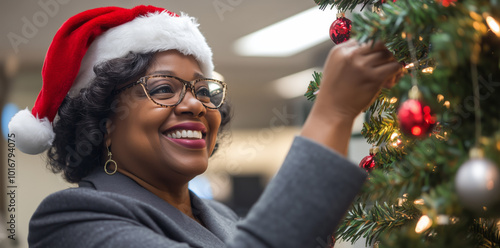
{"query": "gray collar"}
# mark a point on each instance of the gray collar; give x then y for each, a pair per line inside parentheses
(218, 228)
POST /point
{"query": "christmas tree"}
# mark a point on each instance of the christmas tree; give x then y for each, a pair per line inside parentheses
(434, 172)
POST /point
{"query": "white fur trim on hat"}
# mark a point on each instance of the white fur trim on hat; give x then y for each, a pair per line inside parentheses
(32, 135)
(151, 33)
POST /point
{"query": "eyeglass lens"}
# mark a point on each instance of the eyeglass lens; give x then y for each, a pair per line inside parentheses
(168, 91)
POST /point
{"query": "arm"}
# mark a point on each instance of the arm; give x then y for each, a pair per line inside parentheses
(305, 202)
(353, 74)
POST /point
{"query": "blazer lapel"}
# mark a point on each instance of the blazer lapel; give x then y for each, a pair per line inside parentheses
(194, 233)
(218, 224)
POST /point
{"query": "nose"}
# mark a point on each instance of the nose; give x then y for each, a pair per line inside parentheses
(190, 105)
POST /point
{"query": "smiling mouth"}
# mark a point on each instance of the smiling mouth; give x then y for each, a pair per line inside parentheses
(191, 139)
(185, 134)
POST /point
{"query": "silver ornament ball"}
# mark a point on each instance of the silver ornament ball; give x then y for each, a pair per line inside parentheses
(477, 184)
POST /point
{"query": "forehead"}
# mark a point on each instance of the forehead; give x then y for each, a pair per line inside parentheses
(174, 62)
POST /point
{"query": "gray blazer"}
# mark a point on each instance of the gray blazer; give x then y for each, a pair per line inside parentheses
(301, 207)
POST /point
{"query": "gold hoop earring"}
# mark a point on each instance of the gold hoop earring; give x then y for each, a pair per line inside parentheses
(110, 161)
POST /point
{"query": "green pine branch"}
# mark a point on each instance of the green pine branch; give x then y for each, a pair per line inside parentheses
(343, 5)
(487, 233)
(378, 219)
(313, 87)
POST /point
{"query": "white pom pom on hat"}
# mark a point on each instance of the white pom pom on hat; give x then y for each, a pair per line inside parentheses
(95, 36)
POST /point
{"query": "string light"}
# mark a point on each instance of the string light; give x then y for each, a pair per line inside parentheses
(447, 104)
(423, 224)
(393, 100)
(443, 219)
(410, 65)
(428, 70)
(403, 199)
(477, 26)
(440, 98)
(493, 24)
(475, 16)
(397, 142)
(419, 202)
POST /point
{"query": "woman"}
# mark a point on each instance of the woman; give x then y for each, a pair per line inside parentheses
(138, 118)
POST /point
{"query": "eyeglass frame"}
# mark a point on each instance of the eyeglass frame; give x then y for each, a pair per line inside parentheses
(143, 82)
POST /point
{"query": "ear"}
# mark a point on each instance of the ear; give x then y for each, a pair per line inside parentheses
(109, 129)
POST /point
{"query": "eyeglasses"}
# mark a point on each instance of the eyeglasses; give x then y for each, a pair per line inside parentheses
(168, 91)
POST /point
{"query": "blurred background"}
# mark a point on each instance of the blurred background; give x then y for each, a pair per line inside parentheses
(267, 74)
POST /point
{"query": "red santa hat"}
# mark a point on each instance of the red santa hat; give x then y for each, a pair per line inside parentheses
(94, 36)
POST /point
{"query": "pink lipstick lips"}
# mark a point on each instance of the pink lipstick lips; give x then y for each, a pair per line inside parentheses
(190, 135)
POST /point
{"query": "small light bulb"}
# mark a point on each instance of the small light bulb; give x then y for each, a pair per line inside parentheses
(440, 98)
(393, 100)
(428, 70)
(410, 65)
(419, 202)
(493, 24)
(447, 104)
(423, 224)
(443, 219)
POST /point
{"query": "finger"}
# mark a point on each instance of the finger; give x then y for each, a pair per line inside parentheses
(372, 47)
(387, 70)
(349, 43)
(379, 58)
(395, 79)
(390, 82)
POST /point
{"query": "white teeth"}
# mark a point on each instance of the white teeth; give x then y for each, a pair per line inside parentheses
(182, 134)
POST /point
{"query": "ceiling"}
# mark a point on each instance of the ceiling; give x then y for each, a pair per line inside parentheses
(221, 21)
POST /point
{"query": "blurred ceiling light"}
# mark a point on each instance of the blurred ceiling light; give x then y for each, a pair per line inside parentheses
(289, 36)
(294, 85)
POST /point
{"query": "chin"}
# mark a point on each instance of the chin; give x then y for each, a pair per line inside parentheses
(191, 167)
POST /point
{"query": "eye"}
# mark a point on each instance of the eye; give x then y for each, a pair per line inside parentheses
(162, 89)
(203, 92)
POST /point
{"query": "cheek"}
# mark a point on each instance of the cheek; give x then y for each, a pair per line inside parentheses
(138, 131)
(214, 119)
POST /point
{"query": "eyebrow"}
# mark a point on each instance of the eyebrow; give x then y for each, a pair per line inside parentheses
(196, 75)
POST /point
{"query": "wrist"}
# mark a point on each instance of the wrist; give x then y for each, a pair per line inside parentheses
(330, 129)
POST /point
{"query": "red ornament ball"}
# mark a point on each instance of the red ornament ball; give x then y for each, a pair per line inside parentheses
(332, 241)
(415, 118)
(340, 30)
(368, 163)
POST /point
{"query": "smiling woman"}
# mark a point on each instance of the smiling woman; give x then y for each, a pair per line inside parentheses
(138, 117)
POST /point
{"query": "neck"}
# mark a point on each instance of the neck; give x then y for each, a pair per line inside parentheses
(175, 195)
